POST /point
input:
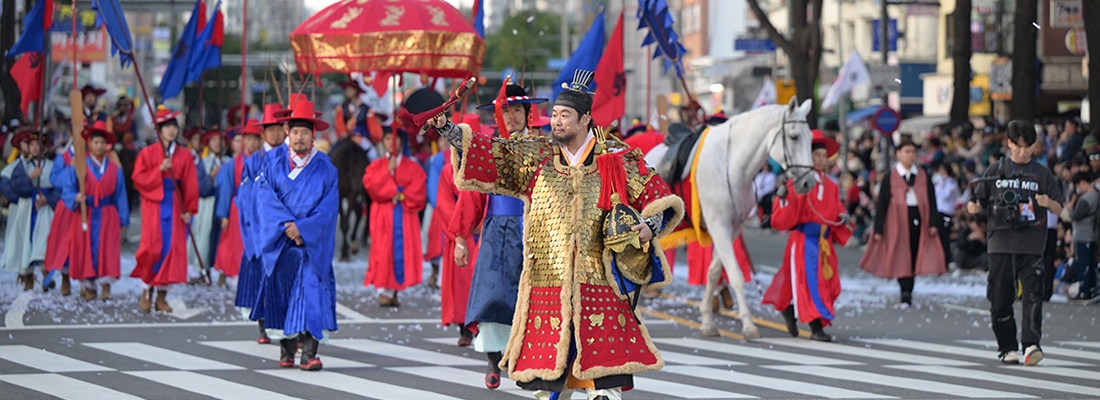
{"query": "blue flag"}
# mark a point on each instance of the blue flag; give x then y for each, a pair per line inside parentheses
(479, 18)
(586, 56)
(655, 15)
(208, 50)
(109, 14)
(35, 24)
(175, 76)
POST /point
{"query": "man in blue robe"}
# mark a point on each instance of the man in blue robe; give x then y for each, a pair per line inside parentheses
(26, 184)
(251, 271)
(297, 197)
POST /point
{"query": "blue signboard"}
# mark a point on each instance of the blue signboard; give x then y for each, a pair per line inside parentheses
(891, 31)
(754, 45)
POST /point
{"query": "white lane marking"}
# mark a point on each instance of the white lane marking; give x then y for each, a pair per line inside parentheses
(411, 321)
(269, 352)
(691, 359)
(1002, 379)
(1076, 373)
(14, 317)
(65, 387)
(898, 382)
(959, 351)
(161, 356)
(1095, 345)
(754, 352)
(404, 352)
(859, 351)
(783, 385)
(469, 378)
(1047, 351)
(210, 386)
(685, 391)
(46, 361)
(351, 314)
(356, 386)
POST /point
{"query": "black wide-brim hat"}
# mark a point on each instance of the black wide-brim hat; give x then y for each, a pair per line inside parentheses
(515, 95)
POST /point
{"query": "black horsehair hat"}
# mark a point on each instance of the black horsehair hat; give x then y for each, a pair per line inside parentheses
(515, 95)
(576, 95)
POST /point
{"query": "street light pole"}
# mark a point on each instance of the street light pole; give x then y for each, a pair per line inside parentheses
(884, 31)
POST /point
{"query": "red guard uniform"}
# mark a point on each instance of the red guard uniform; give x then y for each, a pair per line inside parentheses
(809, 278)
(162, 255)
(396, 256)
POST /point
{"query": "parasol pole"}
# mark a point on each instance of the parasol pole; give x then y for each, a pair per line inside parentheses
(275, 80)
(156, 128)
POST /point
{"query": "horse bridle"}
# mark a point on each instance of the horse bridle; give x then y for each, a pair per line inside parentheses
(806, 169)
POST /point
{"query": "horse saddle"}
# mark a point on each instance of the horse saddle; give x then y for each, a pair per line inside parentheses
(680, 140)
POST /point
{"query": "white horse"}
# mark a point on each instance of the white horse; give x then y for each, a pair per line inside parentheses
(734, 152)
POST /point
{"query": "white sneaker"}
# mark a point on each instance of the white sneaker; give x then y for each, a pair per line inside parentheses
(1009, 357)
(1033, 355)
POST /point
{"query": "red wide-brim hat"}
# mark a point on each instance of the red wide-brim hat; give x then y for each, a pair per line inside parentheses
(209, 135)
(831, 145)
(232, 113)
(93, 90)
(191, 132)
(27, 136)
(255, 128)
(303, 110)
(99, 127)
(165, 115)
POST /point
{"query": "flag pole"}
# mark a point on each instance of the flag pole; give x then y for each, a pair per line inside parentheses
(156, 128)
(244, 53)
(76, 105)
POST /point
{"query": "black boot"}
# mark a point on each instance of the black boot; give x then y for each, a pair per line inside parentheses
(310, 362)
(263, 339)
(492, 379)
(287, 349)
(819, 333)
(792, 324)
(465, 337)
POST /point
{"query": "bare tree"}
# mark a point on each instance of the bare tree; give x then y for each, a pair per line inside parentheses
(803, 45)
(1024, 47)
(960, 52)
(1091, 11)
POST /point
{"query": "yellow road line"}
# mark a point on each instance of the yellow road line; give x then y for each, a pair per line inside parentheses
(759, 321)
(685, 322)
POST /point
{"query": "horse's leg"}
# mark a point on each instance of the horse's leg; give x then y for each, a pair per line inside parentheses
(714, 273)
(723, 250)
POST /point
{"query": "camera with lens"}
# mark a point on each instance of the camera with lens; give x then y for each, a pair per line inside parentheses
(1005, 209)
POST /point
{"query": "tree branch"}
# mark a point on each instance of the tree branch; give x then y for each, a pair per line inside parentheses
(777, 37)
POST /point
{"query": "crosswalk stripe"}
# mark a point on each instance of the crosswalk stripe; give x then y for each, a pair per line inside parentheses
(46, 361)
(783, 385)
(898, 382)
(1004, 379)
(356, 386)
(684, 391)
(858, 351)
(65, 387)
(269, 352)
(1076, 373)
(469, 378)
(161, 356)
(208, 386)
(1095, 345)
(691, 359)
(404, 352)
(1047, 351)
(753, 352)
(987, 355)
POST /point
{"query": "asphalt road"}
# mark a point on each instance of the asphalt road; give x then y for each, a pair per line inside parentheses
(63, 347)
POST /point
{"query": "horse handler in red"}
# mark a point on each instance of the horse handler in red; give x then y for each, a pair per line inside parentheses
(809, 282)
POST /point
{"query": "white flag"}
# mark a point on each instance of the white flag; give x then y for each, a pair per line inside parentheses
(853, 73)
(768, 94)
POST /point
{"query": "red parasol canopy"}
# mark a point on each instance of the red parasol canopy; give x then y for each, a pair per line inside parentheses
(427, 37)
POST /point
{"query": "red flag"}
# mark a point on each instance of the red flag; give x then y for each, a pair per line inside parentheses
(27, 73)
(498, 109)
(202, 17)
(217, 38)
(610, 80)
(381, 82)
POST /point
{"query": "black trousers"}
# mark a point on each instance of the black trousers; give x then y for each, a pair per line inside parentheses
(1008, 275)
(914, 246)
(1049, 269)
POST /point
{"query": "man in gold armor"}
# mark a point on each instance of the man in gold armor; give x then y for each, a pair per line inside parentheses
(574, 325)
